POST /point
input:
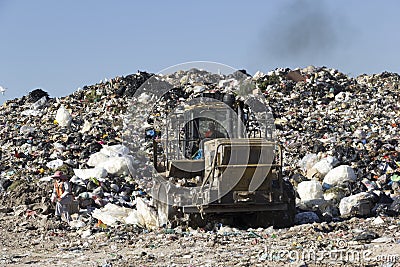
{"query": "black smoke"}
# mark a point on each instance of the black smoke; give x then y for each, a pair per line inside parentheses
(303, 29)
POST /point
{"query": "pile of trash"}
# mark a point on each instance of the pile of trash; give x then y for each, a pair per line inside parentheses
(41, 135)
(82, 136)
(340, 137)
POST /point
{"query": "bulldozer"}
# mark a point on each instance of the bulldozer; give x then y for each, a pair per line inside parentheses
(215, 159)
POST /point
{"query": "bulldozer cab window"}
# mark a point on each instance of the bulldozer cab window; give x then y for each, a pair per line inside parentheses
(199, 129)
(213, 130)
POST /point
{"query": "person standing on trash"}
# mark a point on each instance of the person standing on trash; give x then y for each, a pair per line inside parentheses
(62, 195)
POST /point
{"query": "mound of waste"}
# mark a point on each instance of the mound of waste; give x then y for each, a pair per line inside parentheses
(340, 137)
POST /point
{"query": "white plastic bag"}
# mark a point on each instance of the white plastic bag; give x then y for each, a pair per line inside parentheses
(146, 216)
(322, 167)
(309, 190)
(339, 175)
(308, 161)
(133, 218)
(26, 129)
(118, 165)
(114, 159)
(110, 214)
(86, 127)
(90, 173)
(54, 164)
(115, 150)
(97, 159)
(359, 204)
(31, 112)
(63, 117)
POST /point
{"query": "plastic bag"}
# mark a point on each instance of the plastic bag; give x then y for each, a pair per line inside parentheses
(115, 151)
(339, 175)
(118, 165)
(31, 112)
(54, 164)
(63, 117)
(309, 190)
(97, 159)
(146, 216)
(86, 127)
(306, 217)
(110, 214)
(308, 161)
(89, 173)
(322, 167)
(38, 104)
(359, 204)
(26, 129)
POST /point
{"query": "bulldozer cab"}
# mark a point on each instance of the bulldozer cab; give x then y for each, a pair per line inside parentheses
(192, 125)
(203, 122)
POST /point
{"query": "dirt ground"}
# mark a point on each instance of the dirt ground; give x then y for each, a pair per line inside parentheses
(29, 239)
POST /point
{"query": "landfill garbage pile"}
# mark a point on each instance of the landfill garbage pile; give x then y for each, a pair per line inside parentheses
(340, 137)
(341, 151)
(81, 135)
(41, 135)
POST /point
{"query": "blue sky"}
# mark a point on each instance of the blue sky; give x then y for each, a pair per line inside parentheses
(62, 45)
